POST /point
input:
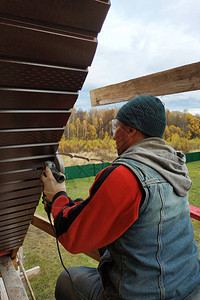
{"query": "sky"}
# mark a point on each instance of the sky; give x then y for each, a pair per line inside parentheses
(141, 37)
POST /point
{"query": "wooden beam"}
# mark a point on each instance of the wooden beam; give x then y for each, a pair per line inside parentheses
(13, 255)
(12, 282)
(3, 294)
(182, 79)
(195, 212)
(26, 278)
(44, 225)
(30, 273)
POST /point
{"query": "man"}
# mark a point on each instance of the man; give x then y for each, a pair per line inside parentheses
(137, 214)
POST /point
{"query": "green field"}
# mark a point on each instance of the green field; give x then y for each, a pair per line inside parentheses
(40, 248)
(194, 194)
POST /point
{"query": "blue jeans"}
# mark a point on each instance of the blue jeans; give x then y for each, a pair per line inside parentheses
(195, 294)
(79, 283)
(85, 283)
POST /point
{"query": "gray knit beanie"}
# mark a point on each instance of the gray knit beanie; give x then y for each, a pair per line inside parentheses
(145, 113)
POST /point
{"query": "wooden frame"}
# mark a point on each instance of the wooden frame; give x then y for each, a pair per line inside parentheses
(44, 225)
(12, 282)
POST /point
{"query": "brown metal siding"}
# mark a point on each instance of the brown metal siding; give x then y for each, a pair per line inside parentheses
(45, 49)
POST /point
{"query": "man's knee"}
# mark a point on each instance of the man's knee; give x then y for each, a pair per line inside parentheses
(62, 286)
(79, 283)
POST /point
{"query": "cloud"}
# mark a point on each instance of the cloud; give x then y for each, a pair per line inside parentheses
(189, 101)
(143, 37)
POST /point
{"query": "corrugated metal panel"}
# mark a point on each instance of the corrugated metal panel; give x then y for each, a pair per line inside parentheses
(45, 49)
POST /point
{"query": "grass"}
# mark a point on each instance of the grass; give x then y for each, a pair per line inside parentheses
(40, 248)
(194, 194)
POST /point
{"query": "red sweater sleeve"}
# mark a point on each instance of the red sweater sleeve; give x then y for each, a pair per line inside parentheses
(113, 205)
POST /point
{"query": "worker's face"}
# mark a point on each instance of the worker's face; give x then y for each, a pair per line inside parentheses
(121, 135)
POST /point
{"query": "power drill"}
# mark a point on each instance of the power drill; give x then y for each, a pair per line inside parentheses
(55, 166)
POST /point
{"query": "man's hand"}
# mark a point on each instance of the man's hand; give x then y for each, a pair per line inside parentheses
(51, 186)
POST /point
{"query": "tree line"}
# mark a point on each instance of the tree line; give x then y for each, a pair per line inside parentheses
(95, 124)
(92, 130)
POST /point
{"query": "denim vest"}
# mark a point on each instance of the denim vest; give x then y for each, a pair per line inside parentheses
(157, 257)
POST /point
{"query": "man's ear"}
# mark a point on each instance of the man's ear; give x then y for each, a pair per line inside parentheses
(132, 131)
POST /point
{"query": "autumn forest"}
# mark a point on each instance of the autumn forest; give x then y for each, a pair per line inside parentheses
(91, 131)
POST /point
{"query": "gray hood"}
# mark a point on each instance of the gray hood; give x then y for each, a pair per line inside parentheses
(169, 163)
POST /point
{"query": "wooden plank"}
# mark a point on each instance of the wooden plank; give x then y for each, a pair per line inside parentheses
(195, 212)
(93, 254)
(26, 278)
(182, 79)
(3, 294)
(11, 280)
(13, 254)
(44, 225)
(31, 273)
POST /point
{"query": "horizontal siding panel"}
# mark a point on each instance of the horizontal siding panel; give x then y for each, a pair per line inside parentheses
(16, 74)
(15, 216)
(14, 230)
(20, 193)
(31, 44)
(11, 245)
(19, 151)
(18, 208)
(20, 201)
(85, 15)
(16, 224)
(14, 239)
(30, 136)
(31, 163)
(11, 236)
(16, 175)
(35, 99)
(18, 120)
(15, 186)
(45, 50)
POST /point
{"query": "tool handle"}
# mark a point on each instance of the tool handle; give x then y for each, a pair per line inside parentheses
(51, 165)
(59, 177)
